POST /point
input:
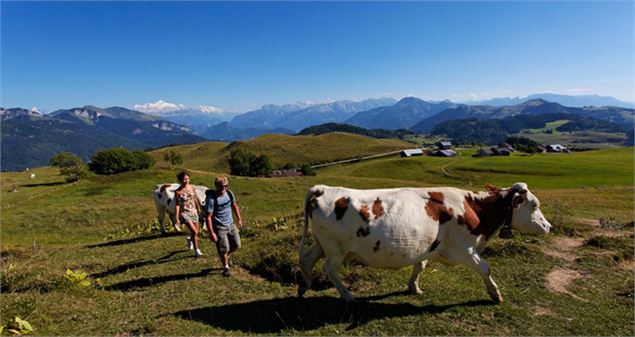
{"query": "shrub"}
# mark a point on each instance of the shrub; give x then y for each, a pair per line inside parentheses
(244, 163)
(239, 161)
(561, 219)
(173, 158)
(261, 166)
(70, 165)
(117, 160)
(307, 170)
(290, 166)
(143, 160)
(523, 144)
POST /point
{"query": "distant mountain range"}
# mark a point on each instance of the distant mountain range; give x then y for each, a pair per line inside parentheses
(197, 119)
(620, 116)
(267, 117)
(401, 115)
(301, 115)
(385, 113)
(493, 131)
(30, 139)
(286, 119)
(566, 100)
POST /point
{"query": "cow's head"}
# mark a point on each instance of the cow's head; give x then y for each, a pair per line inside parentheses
(526, 214)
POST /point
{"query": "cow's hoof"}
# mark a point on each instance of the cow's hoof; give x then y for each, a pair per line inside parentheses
(498, 299)
(415, 290)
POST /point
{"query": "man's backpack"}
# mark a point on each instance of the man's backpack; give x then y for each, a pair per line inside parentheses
(212, 193)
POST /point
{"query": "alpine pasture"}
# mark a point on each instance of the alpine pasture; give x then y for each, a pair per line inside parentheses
(577, 280)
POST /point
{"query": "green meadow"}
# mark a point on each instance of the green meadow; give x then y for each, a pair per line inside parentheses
(577, 280)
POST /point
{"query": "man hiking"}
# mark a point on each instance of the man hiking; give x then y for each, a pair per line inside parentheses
(220, 223)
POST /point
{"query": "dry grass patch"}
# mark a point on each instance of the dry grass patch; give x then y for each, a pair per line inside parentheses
(559, 279)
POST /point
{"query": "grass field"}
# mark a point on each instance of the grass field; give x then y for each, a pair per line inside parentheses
(576, 281)
(282, 149)
(550, 126)
(576, 139)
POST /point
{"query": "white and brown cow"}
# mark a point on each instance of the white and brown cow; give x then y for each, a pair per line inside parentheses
(394, 228)
(164, 201)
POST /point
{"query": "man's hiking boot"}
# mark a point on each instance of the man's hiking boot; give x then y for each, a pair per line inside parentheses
(226, 272)
(198, 253)
(190, 243)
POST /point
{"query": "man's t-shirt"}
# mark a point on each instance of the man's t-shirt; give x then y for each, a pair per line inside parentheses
(221, 208)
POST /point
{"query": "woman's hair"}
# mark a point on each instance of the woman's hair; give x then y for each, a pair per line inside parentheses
(221, 180)
(182, 175)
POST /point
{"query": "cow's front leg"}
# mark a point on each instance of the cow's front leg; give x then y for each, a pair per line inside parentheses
(475, 262)
(413, 283)
(332, 267)
(307, 262)
(161, 216)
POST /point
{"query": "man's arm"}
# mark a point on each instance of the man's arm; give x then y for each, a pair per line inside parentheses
(237, 211)
(208, 223)
(209, 207)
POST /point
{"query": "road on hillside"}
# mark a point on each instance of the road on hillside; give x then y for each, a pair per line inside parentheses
(357, 159)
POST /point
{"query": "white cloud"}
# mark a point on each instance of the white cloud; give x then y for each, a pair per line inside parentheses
(36, 109)
(209, 109)
(158, 106)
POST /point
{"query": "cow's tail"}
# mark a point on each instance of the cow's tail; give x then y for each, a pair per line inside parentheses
(314, 192)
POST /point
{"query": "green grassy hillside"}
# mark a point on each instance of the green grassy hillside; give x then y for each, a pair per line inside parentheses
(578, 139)
(283, 149)
(142, 283)
(611, 167)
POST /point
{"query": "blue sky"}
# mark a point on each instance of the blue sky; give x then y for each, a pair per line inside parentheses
(241, 55)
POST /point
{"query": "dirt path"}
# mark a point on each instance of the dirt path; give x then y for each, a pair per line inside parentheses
(565, 248)
(450, 175)
(558, 279)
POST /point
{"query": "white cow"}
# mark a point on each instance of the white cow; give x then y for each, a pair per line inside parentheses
(393, 228)
(164, 201)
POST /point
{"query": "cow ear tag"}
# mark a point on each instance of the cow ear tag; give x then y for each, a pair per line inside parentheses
(506, 233)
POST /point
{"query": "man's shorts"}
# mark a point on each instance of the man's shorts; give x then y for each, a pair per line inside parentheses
(228, 239)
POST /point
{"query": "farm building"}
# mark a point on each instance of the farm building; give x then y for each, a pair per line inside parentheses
(443, 153)
(411, 152)
(482, 152)
(493, 151)
(506, 146)
(501, 151)
(557, 148)
(287, 173)
(444, 145)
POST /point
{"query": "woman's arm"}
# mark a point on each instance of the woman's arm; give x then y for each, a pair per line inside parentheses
(177, 203)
